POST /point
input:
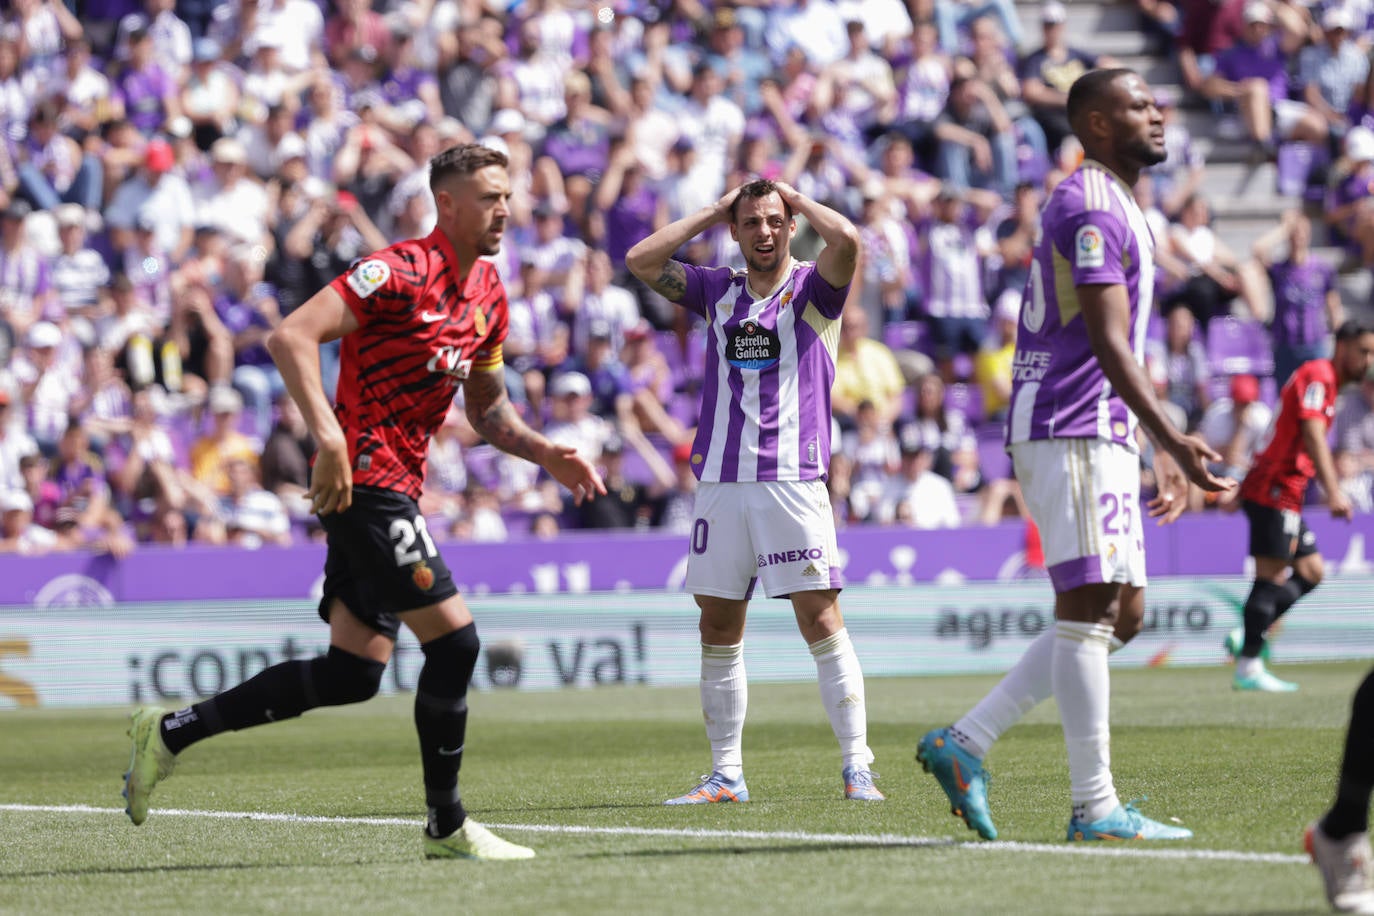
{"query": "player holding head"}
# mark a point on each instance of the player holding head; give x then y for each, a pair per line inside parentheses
(1287, 564)
(1078, 394)
(1338, 842)
(761, 453)
(418, 320)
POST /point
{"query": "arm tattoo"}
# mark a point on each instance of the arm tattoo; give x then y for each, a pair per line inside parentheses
(672, 283)
(490, 412)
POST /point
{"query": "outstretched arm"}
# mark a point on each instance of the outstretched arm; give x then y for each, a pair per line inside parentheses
(651, 259)
(1107, 315)
(837, 260)
(491, 414)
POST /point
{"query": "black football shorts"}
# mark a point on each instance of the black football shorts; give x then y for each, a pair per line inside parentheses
(1278, 533)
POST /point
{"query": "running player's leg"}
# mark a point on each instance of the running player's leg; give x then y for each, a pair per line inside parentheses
(350, 672)
(448, 639)
(1339, 841)
(1274, 539)
(720, 576)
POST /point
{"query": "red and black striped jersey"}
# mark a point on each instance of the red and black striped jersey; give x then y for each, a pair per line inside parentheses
(419, 335)
(1278, 478)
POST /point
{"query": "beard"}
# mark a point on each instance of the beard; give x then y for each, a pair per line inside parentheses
(1145, 153)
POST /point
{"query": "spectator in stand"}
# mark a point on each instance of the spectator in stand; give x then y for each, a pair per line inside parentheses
(232, 200)
(324, 124)
(1049, 71)
(953, 17)
(951, 271)
(628, 208)
(1015, 241)
(860, 83)
(102, 402)
(651, 385)
(1179, 368)
(1233, 426)
(468, 68)
(249, 310)
(977, 143)
(18, 531)
(992, 367)
(79, 273)
(15, 443)
(917, 496)
(26, 290)
(610, 382)
(80, 478)
(813, 25)
(1349, 211)
(205, 346)
(572, 421)
(1307, 304)
(676, 512)
(209, 95)
(43, 26)
(211, 453)
(939, 429)
(251, 515)
(296, 25)
(42, 490)
(1216, 276)
(87, 100)
(884, 283)
(149, 91)
(992, 60)
(146, 264)
(870, 449)
(602, 300)
(578, 146)
(17, 89)
(626, 503)
(408, 88)
(52, 169)
(356, 25)
(48, 383)
(714, 123)
(162, 196)
(168, 36)
(1253, 74)
(532, 82)
(1356, 480)
(1208, 29)
(137, 338)
(1331, 71)
(865, 371)
(286, 458)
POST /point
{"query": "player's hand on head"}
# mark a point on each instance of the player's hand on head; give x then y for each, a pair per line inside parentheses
(726, 201)
(574, 472)
(331, 481)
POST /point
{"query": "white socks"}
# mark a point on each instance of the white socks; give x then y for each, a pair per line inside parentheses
(1249, 667)
(1025, 686)
(1082, 687)
(842, 693)
(724, 697)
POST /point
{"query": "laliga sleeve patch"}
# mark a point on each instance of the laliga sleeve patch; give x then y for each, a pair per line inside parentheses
(1314, 396)
(368, 277)
(1089, 247)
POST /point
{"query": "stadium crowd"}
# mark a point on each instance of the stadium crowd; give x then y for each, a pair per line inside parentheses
(177, 176)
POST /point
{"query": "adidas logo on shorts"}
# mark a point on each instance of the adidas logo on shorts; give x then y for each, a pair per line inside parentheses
(811, 570)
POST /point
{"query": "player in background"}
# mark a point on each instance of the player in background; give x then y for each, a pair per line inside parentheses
(1287, 563)
(1338, 842)
(418, 320)
(1078, 394)
(761, 452)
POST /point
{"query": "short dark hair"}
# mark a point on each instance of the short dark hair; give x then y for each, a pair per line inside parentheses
(1090, 91)
(758, 189)
(1353, 328)
(461, 161)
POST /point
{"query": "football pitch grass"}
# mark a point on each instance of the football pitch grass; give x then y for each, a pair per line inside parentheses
(323, 814)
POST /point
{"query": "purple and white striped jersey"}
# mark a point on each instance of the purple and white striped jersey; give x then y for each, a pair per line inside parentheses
(1091, 232)
(770, 362)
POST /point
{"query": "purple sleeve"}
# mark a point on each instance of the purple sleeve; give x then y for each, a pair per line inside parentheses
(1093, 242)
(704, 286)
(827, 299)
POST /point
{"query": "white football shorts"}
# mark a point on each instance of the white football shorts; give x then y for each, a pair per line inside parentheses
(1084, 496)
(778, 532)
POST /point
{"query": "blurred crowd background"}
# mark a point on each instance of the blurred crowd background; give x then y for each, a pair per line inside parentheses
(177, 175)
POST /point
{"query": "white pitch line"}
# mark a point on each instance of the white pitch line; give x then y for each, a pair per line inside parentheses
(692, 833)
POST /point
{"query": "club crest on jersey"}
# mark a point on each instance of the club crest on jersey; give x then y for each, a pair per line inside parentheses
(422, 576)
(479, 321)
(752, 346)
(1090, 250)
(368, 277)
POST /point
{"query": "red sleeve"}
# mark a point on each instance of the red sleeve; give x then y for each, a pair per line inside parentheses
(383, 283)
(488, 353)
(1315, 386)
